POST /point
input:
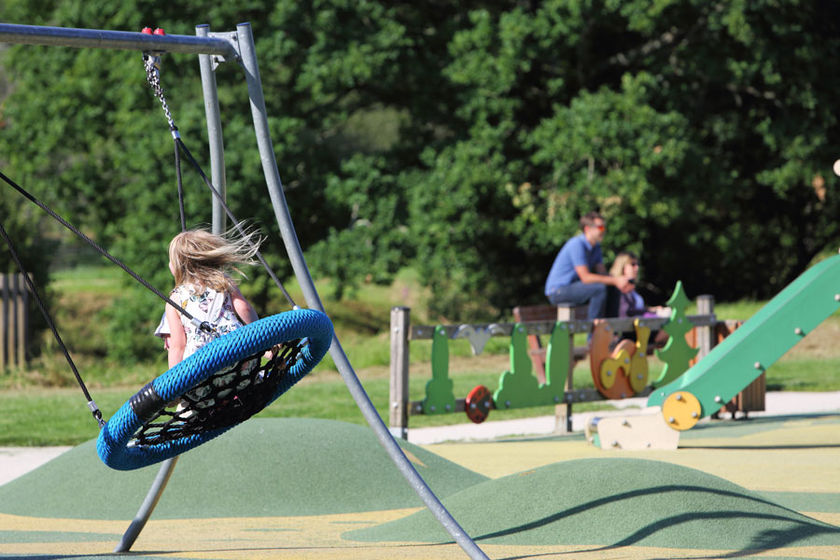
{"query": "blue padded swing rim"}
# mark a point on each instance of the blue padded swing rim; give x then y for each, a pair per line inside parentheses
(221, 353)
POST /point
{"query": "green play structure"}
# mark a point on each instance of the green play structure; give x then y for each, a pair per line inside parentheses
(677, 354)
(684, 394)
(440, 397)
(744, 355)
(519, 386)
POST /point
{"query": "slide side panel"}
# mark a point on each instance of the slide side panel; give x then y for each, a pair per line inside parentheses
(764, 338)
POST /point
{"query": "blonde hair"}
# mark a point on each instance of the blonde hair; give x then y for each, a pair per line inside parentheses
(620, 262)
(206, 259)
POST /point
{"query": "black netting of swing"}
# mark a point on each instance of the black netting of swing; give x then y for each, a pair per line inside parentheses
(225, 398)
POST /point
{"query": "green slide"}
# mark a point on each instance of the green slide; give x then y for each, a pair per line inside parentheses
(764, 338)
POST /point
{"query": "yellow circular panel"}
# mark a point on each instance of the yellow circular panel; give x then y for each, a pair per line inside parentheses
(681, 410)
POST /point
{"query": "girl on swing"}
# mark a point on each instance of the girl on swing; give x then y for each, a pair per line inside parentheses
(200, 263)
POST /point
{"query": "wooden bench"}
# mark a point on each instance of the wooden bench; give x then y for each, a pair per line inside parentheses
(536, 351)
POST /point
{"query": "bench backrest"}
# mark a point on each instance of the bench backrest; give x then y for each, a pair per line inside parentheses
(524, 313)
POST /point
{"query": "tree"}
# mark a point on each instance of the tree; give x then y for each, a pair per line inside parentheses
(94, 143)
(463, 139)
(702, 131)
(726, 185)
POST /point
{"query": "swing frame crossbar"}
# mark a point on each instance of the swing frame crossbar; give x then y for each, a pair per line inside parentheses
(126, 40)
(211, 49)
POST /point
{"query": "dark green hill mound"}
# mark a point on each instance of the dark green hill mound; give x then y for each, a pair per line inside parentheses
(264, 467)
(613, 502)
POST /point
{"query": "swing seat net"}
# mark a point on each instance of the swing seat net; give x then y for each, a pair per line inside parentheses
(222, 384)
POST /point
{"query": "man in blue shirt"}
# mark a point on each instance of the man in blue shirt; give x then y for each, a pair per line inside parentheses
(578, 274)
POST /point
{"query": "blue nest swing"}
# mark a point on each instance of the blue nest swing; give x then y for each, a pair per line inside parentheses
(225, 382)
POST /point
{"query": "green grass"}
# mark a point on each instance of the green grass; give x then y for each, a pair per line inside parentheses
(732, 310)
(804, 374)
(43, 406)
(57, 416)
(99, 279)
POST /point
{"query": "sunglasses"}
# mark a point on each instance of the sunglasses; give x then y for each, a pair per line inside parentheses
(601, 227)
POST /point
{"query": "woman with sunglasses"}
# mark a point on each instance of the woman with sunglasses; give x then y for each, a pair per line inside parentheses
(631, 304)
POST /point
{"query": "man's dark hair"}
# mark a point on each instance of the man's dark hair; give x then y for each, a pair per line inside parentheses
(589, 218)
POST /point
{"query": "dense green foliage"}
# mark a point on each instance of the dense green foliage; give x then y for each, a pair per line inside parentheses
(461, 138)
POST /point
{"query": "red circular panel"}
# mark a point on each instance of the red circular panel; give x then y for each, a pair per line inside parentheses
(478, 404)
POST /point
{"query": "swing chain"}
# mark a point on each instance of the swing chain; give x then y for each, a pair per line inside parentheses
(152, 63)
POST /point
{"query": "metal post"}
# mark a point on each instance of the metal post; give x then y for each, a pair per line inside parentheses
(400, 320)
(290, 239)
(217, 173)
(214, 133)
(148, 505)
(563, 412)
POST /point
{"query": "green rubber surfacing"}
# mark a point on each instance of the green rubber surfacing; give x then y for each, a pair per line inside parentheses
(614, 502)
(301, 467)
(263, 467)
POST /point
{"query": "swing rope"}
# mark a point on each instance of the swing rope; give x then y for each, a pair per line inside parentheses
(203, 325)
(236, 222)
(97, 414)
(152, 63)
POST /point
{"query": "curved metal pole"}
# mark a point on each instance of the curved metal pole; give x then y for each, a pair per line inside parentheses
(148, 505)
(281, 211)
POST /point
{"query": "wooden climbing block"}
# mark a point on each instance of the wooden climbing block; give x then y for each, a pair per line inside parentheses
(644, 430)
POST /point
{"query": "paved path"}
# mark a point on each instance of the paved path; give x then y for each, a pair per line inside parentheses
(17, 461)
(776, 404)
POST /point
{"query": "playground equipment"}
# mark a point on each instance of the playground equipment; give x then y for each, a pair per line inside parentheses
(213, 49)
(750, 350)
(736, 362)
(618, 372)
(214, 389)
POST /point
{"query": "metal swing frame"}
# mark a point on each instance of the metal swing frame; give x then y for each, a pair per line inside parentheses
(212, 49)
